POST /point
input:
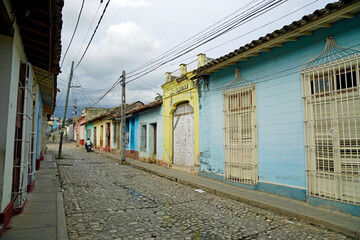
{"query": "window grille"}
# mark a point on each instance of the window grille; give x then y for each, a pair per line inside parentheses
(332, 126)
(143, 138)
(240, 135)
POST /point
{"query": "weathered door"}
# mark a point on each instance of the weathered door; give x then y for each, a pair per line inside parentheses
(88, 134)
(155, 136)
(183, 127)
(95, 143)
(108, 134)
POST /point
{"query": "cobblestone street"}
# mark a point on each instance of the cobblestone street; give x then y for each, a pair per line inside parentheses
(106, 200)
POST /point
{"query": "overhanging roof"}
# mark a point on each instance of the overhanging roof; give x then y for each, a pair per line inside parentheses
(6, 27)
(319, 19)
(40, 24)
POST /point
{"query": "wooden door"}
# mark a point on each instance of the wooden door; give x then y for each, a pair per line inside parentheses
(183, 129)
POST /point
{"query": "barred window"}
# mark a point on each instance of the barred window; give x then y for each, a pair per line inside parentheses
(240, 135)
(143, 137)
(332, 129)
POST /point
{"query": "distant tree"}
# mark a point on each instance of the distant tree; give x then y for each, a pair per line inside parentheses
(158, 96)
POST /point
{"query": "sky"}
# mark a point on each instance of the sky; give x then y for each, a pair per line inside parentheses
(133, 32)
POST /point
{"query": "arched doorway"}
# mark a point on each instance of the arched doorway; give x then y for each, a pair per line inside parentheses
(183, 127)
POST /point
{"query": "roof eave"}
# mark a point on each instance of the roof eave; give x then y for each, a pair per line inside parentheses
(271, 41)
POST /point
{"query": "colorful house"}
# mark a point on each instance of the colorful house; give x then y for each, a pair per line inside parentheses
(87, 124)
(132, 136)
(149, 131)
(30, 50)
(106, 128)
(102, 133)
(89, 131)
(80, 129)
(281, 114)
(132, 125)
(181, 116)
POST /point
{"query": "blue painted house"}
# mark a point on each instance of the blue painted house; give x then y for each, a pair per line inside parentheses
(150, 132)
(132, 136)
(282, 113)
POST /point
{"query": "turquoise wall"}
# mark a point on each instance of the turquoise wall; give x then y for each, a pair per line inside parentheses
(146, 118)
(132, 126)
(91, 127)
(281, 151)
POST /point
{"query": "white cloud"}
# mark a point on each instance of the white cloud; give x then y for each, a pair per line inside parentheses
(125, 46)
(132, 3)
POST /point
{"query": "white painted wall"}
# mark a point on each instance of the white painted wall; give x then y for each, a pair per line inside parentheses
(11, 54)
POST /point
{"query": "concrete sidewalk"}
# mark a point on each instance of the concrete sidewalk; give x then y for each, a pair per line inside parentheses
(43, 217)
(336, 221)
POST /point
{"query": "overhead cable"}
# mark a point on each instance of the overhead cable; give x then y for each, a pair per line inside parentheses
(245, 19)
(92, 37)
(72, 37)
(87, 33)
(229, 25)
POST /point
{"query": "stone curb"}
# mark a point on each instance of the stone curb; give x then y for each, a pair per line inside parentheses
(336, 224)
(278, 209)
(61, 228)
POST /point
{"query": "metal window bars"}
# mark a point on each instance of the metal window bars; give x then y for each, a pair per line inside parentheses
(332, 124)
(26, 139)
(240, 130)
(34, 133)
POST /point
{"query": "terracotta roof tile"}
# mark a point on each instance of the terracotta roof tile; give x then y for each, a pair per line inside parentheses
(316, 15)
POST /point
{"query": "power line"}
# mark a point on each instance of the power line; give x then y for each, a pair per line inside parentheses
(246, 19)
(87, 47)
(257, 80)
(72, 37)
(91, 24)
(180, 44)
(240, 19)
(247, 33)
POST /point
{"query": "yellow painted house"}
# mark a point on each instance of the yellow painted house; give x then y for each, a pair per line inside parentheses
(181, 116)
(101, 137)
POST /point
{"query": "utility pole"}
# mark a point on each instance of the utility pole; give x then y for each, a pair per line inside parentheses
(66, 103)
(123, 120)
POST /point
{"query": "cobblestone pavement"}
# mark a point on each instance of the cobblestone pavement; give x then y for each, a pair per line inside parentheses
(106, 200)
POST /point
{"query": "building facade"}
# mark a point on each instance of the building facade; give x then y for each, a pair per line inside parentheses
(28, 70)
(283, 118)
(150, 132)
(181, 117)
(81, 129)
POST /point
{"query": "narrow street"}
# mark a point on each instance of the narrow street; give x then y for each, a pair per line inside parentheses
(106, 200)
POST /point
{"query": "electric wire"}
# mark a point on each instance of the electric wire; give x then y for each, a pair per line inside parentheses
(247, 33)
(117, 82)
(257, 80)
(87, 33)
(248, 16)
(229, 25)
(180, 44)
(72, 37)
(81, 93)
(92, 37)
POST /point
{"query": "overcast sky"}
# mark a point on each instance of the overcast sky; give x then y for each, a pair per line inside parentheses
(133, 32)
